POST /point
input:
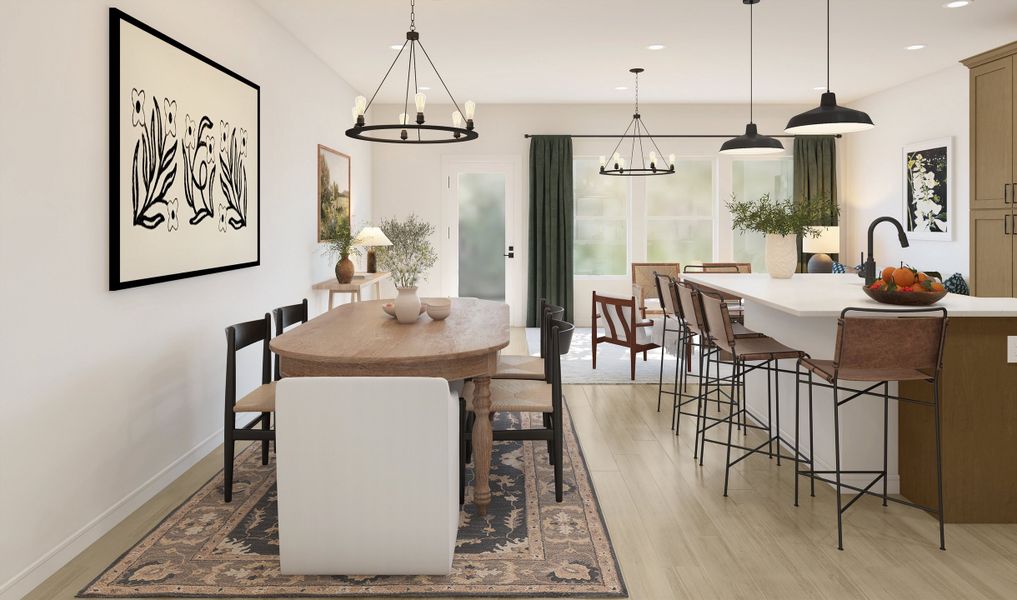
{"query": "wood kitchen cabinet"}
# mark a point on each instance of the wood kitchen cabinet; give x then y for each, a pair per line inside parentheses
(993, 89)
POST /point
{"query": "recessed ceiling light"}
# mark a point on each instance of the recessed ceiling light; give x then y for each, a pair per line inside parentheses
(916, 47)
(820, 88)
(423, 88)
(396, 46)
(656, 47)
(621, 88)
(957, 4)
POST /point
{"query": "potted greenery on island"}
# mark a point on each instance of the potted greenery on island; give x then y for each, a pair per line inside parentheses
(409, 257)
(782, 222)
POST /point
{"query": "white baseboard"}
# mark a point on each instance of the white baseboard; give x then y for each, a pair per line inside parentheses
(50, 562)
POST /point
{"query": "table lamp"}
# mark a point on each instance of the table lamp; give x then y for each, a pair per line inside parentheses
(821, 248)
(371, 237)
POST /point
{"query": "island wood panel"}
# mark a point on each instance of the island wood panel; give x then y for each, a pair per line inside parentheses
(979, 427)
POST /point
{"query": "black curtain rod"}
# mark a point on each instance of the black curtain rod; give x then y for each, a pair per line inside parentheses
(673, 135)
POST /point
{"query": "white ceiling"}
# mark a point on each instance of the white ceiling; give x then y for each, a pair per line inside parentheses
(578, 51)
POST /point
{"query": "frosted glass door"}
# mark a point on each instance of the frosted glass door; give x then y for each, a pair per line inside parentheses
(482, 246)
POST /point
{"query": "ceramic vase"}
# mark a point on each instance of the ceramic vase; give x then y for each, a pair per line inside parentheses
(344, 270)
(781, 255)
(407, 304)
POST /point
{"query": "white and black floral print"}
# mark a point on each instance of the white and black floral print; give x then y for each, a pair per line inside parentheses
(172, 217)
(154, 167)
(169, 110)
(137, 107)
(190, 132)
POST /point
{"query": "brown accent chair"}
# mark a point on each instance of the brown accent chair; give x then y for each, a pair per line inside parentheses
(623, 327)
(643, 285)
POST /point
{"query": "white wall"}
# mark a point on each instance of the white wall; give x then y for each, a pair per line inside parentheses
(409, 178)
(927, 108)
(108, 396)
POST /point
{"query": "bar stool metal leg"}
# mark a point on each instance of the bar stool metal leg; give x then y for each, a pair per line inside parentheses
(660, 379)
(939, 464)
(812, 443)
(798, 394)
(886, 433)
(836, 450)
(730, 428)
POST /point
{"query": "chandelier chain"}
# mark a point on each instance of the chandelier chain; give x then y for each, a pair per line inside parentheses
(413, 15)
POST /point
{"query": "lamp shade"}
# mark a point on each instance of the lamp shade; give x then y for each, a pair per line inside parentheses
(752, 143)
(829, 119)
(828, 241)
(371, 236)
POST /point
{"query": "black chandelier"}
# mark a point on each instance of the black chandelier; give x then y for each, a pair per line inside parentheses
(413, 131)
(618, 167)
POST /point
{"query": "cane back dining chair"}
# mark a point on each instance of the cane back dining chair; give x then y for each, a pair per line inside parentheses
(644, 284)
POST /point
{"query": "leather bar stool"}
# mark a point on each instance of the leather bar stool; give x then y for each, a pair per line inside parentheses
(858, 358)
(764, 353)
(672, 323)
(690, 309)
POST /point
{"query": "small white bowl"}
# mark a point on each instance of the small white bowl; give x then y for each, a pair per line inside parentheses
(438, 308)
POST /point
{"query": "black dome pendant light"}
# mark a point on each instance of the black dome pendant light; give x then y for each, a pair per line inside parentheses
(828, 118)
(751, 142)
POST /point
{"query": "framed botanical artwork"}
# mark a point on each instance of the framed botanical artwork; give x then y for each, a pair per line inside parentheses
(333, 191)
(927, 192)
(184, 160)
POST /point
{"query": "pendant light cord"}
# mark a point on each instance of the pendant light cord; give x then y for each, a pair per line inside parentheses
(827, 45)
(637, 93)
(751, 48)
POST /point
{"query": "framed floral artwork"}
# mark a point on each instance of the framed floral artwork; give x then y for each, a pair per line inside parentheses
(184, 160)
(927, 193)
(333, 191)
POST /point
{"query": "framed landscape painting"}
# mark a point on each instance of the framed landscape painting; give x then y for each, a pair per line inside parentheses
(928, 198)
(184, 160)
(333, 191)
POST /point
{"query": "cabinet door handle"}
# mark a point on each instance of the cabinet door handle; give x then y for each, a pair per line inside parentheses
(1006, 186)
(1006, 224)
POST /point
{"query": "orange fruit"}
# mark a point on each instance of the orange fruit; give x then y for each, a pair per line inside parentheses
(922, 277)
(904, 277)
(937, 286)
(888, 274)
(878, 285)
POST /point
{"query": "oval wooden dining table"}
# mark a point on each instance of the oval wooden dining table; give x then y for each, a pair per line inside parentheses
(360, 340)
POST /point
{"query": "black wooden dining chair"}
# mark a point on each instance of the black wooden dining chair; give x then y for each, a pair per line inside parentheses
(514, 395)
(260, 400)
(284, 317)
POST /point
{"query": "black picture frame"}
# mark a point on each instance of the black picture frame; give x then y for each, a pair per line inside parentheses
(115, 280)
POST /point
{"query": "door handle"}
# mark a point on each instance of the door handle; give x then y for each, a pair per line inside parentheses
(1005, 187)
(511, 252)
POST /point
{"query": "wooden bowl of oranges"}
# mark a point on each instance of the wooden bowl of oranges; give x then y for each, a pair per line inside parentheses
(905, 286)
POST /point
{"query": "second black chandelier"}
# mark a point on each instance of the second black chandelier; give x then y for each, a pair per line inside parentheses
(641, 164)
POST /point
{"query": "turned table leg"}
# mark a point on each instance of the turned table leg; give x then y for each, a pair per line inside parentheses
(482, 442)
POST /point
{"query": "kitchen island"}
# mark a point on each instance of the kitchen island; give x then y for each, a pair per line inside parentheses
(978, 393)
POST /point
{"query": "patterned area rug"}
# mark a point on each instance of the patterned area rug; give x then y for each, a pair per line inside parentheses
(527, 545)
(612, 361)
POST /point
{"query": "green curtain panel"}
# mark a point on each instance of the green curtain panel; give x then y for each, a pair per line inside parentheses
(816, 173)
(551, 211)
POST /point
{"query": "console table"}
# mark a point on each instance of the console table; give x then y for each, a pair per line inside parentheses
(354, 288)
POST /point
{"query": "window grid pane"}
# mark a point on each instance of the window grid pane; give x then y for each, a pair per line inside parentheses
(601, 222)
(750, 179)
(679, 214)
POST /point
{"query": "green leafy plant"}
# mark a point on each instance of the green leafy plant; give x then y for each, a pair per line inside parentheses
(411, 252)
(338, 237)
(778, 217)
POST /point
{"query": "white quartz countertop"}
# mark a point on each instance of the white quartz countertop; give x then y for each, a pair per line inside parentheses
(826, 295)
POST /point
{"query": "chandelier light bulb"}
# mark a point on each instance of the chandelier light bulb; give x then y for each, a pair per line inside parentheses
(420, 100)
(356, 113)
(621, 162)
(457, 118)
(402, 118)
(616, 158)
(670, 160)
(471, 109)
(653, 158)
(359, 106)
(603, 161)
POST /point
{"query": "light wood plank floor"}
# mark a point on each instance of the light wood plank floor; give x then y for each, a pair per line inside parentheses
(678, 537)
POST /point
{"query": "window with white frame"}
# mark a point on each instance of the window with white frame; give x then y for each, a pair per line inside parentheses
(601, 220)
(679, 214)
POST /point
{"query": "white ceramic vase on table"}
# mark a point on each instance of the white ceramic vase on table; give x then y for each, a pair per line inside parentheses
(407, 304)
(781, 255)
